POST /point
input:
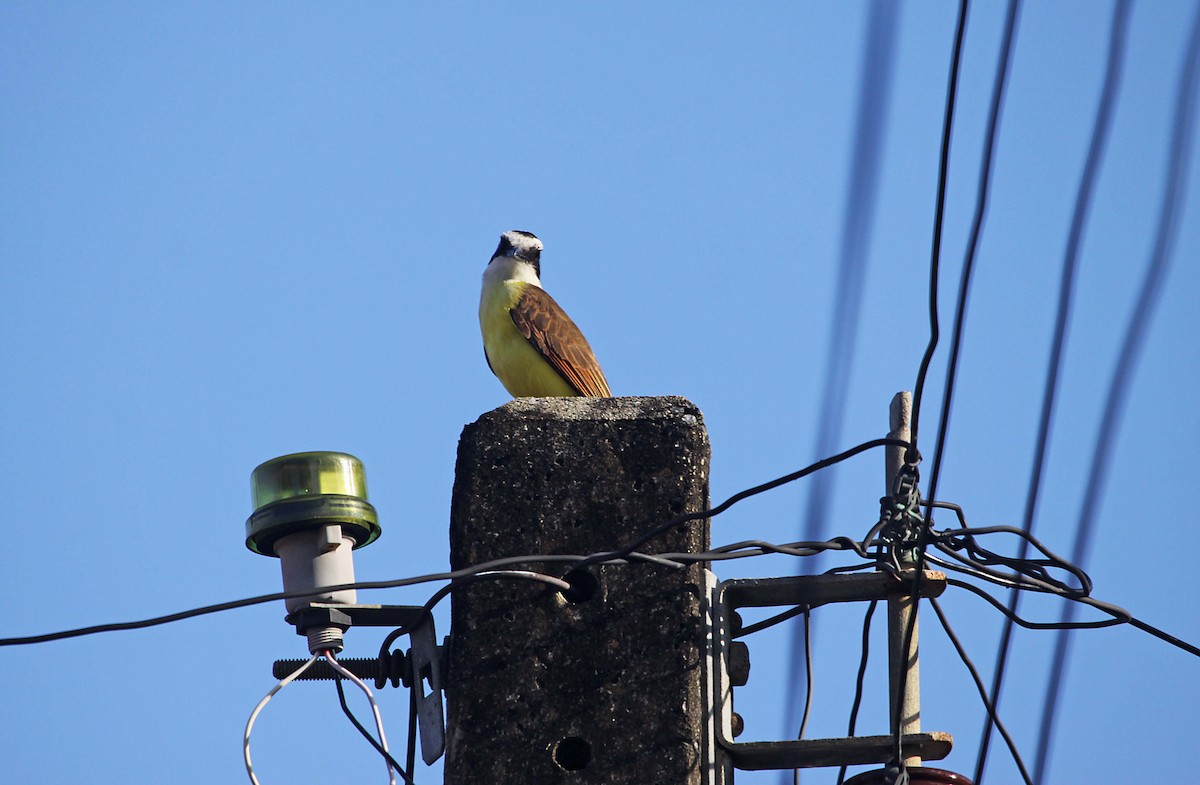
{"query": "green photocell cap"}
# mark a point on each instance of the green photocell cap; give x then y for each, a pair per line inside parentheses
(309, 490)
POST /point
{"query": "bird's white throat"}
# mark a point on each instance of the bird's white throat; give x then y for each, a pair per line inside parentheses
(509, 268)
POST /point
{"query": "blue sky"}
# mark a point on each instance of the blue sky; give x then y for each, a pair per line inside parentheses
(230, 232)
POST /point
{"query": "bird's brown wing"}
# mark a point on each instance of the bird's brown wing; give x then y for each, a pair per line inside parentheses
(555, 336)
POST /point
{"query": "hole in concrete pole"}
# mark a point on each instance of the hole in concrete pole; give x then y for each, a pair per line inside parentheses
(583, 586)
(572, 753)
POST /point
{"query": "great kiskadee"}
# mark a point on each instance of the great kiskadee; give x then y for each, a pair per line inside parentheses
(530, 343)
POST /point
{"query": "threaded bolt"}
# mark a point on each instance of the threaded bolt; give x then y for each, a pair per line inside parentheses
(321, 670)
(395, 670)
(324, 639)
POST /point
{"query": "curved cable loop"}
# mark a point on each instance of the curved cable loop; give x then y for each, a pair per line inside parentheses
(285, 681)
(1032, 572)
(383, 745)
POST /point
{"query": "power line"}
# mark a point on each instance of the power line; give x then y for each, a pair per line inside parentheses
(679, 520)
(808, 682)
(204, 610)
(627, 552)
(931, 346)
(981, 203)
(979, 563)
(1083, 202)
(989, 705)
(860, 678)
(981, 200)
(1172, 202)
(912, 456)
(1029, 574)
(1118, 616)
(939, 214)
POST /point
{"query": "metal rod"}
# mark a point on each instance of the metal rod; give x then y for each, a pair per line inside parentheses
(902, 608)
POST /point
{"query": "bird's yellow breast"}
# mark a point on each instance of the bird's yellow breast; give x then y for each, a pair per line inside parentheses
(520, 367)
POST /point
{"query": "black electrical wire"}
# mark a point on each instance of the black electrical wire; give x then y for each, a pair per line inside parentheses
(496, 569)
(742, 549)
(1119, 616)
(808, 670)
(1177, 165)
(966, 567)
(1137, 623)
(1083, 202)
(919, 390)
(795, 611)
(628, 552)
(982, 194)
(759, 548)
(411, 757)
(403, 772)
(983, 695)
(679, 520)
(748, 548)
(426, 611)
(1027, 573)
(981, 200)
(938, 220)
(771, 621)
(860, 680)
(155, 621)
(808, 684)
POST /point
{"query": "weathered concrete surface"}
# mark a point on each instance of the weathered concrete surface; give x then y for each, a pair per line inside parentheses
(605, 690)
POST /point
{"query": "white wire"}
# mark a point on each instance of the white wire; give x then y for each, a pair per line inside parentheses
(550, 579)
(337, 666)
(285, 681)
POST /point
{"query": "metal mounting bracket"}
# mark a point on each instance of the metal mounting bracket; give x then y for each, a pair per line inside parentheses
(813, 591)
(422, 665)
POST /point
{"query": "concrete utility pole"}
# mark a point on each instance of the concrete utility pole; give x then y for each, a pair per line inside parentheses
(605, 686)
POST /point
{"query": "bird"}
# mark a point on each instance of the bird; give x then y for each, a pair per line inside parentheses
(530, 343)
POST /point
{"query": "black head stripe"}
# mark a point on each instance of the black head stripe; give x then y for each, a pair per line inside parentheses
(532, 255)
